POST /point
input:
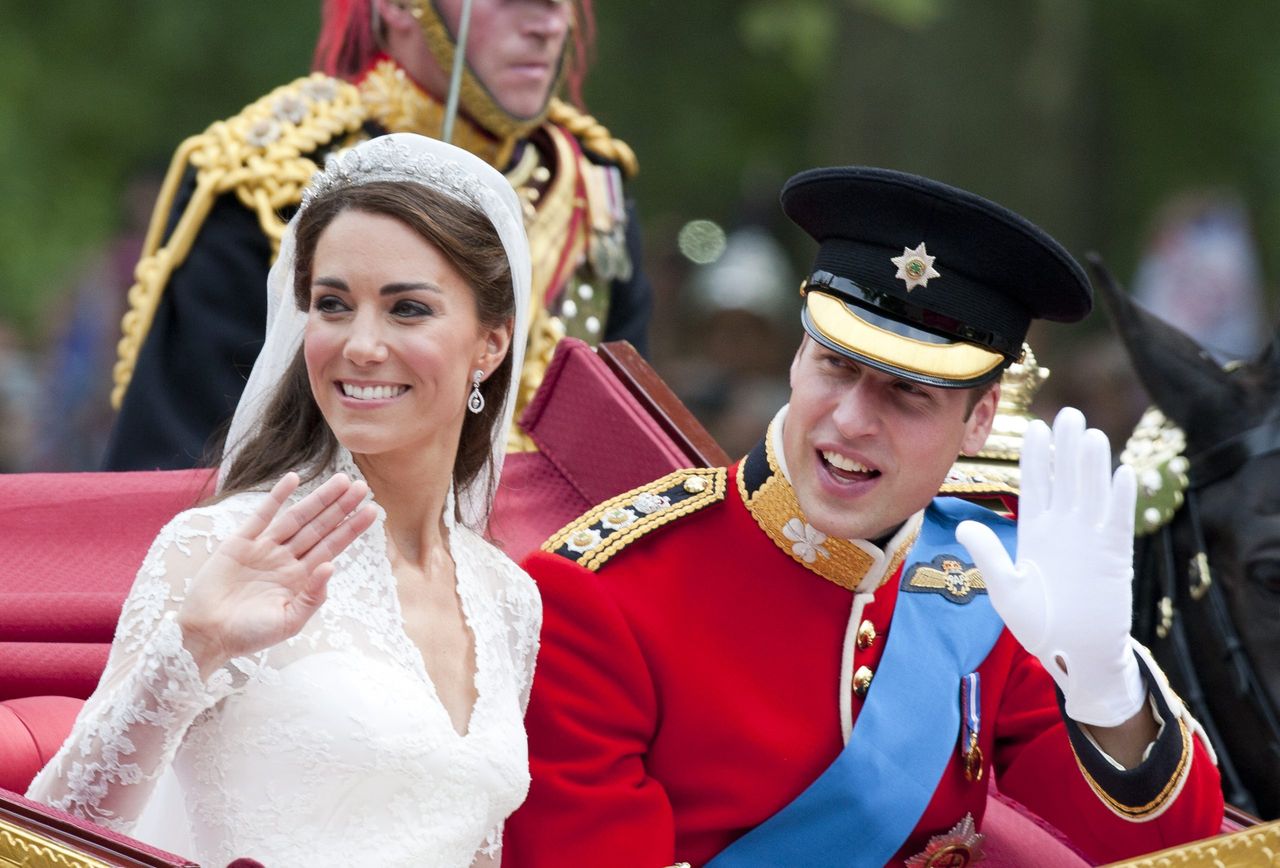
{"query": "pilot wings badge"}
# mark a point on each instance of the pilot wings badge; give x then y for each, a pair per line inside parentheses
(947, 575)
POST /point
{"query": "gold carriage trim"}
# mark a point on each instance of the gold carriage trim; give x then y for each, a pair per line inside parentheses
(994, 470)
(601, 533)
(22, 847)
(264, 154)
(1256, 845)
(1155, 807)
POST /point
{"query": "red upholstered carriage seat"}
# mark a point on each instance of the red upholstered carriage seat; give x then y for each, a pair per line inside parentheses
(70, 545)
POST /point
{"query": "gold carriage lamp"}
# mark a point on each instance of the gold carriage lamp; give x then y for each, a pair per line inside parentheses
(925, 281)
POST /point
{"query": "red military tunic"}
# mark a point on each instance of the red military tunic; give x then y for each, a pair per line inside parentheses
(688, 688)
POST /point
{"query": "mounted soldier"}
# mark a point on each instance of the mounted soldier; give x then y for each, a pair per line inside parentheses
(197, 310)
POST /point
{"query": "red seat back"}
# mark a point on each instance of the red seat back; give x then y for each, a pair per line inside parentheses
(70, 546)
(603, 424)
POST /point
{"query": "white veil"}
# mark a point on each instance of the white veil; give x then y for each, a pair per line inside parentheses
(411, 158)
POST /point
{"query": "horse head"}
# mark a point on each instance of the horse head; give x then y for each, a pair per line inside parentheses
(1221, 553)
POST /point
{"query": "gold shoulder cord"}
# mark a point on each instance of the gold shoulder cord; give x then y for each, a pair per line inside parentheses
(595, 137)
(264, 155)
(556, 242)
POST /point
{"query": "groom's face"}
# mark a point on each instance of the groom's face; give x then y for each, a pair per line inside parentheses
(865, 450)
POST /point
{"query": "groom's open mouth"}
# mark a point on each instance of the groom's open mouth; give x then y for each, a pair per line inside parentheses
(847, 469)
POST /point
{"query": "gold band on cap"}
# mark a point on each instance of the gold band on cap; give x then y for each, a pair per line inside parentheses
(959, 361)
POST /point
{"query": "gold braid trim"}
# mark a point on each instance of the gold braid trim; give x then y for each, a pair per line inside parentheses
(602, 532)
(775, 508)
(595, 137)
(264, 154)
(556, 245)
(1156, 806)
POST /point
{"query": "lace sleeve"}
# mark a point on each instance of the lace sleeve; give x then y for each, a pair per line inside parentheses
(521, 608)
(129, 730)
(528, 630)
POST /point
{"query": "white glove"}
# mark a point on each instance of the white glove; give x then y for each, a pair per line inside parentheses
(1069, 597)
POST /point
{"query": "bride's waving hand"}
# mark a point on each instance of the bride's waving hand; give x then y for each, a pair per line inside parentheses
(261, 584)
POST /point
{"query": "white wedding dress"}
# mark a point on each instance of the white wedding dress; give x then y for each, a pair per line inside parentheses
(331, 748)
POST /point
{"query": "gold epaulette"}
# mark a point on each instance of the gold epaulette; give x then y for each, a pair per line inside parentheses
(265, 155)
(595, 137)
(608, 528)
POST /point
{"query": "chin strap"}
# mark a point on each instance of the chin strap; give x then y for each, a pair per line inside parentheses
(473, 98)
(455, 78)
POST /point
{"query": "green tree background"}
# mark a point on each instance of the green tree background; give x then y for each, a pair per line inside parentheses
(1083, 114)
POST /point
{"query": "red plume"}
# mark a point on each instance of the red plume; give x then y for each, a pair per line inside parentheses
(347, 44)
(583, 54)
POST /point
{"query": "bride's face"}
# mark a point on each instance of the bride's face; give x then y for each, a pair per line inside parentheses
(392, 339)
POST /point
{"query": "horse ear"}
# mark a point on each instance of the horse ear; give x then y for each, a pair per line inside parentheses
(1182, 379)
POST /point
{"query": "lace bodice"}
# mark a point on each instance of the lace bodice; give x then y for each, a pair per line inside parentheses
(331, 748)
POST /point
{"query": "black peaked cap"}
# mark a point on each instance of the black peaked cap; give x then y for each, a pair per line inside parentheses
(995, 271)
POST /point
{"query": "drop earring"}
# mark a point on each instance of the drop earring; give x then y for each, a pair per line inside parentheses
(475, 401)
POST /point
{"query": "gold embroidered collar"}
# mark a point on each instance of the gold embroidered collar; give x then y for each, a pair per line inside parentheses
(396, 102)
(771, 500)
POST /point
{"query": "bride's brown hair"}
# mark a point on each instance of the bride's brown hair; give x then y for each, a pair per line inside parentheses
(294, 435)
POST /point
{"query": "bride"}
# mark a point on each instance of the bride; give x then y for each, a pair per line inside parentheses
(332, 668)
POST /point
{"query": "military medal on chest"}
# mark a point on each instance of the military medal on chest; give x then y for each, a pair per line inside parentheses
(970, 726)
(958, 848)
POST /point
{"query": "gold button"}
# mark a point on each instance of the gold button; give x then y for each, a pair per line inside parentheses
(866, 635)
(695, 485)
(862, 680)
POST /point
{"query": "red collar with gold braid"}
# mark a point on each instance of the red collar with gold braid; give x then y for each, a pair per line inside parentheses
(772, 502)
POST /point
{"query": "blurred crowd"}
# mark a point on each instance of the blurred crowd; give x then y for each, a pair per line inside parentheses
(54, 409)
(725, 323)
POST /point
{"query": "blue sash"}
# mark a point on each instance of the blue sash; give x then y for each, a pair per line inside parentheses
(865, 805)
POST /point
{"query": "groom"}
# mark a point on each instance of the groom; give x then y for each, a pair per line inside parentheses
(807, 658)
